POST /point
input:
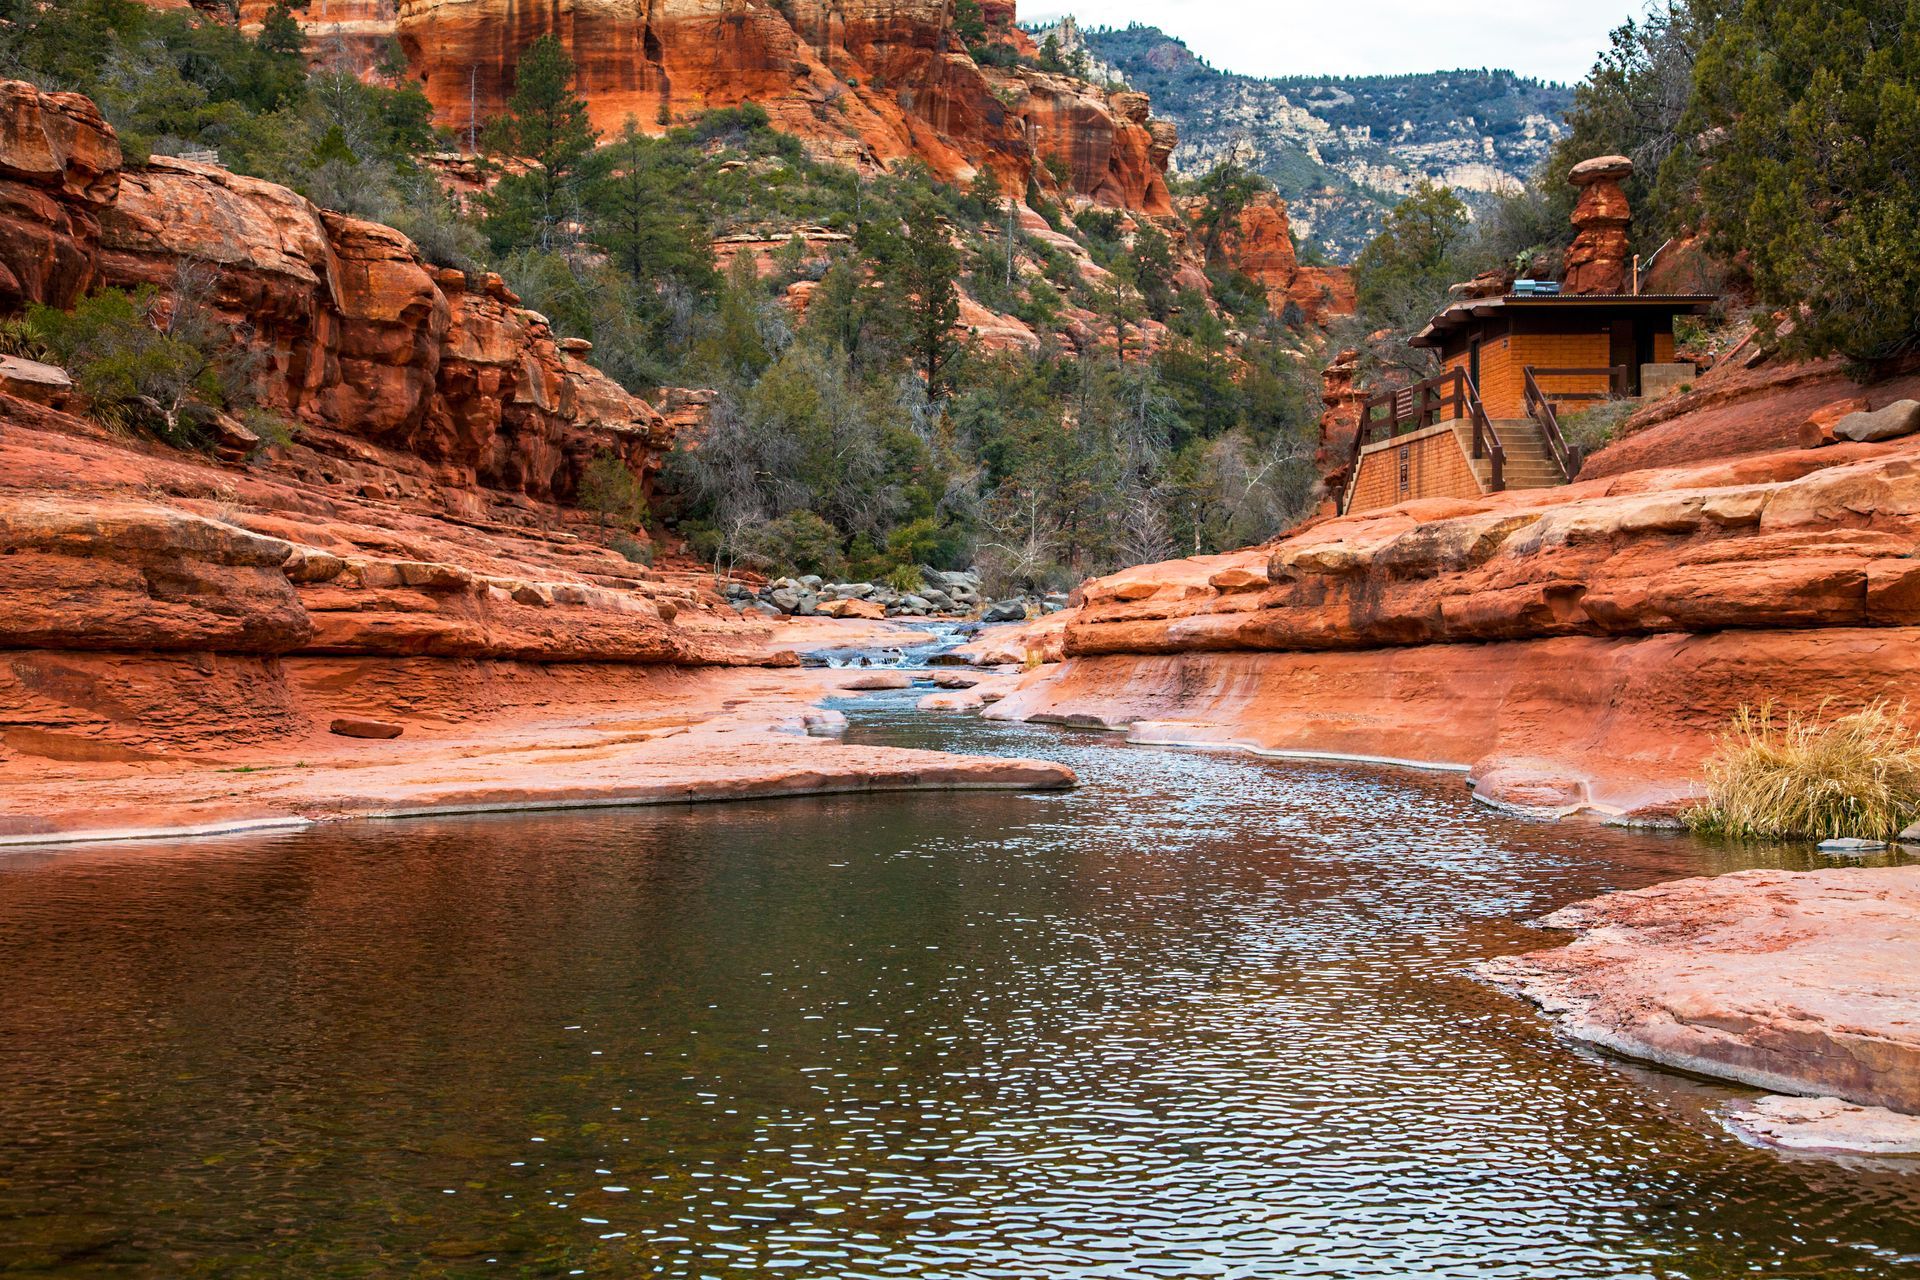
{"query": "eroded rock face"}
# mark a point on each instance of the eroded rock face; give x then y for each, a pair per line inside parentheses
(1598, 261)
(348, 328)
(1259, 245)
(59, 170)
(1575, 648)
(865, 82)
(1780, 542)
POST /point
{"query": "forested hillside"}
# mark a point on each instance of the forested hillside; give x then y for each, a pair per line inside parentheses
(1343, 150)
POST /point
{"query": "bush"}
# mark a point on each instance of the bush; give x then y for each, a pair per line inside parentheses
(1856, 776)
(631, 548)
(1594, 427)
(147, 364)
(609, 490)
(800, 543)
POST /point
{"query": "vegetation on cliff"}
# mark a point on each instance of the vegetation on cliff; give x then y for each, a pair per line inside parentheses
(1779, 137)
(858, 426)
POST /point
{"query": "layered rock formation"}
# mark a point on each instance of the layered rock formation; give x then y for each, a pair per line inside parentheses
(1259, 245)
(59, 171)
(1574, 648)
(1599, 259)
(1796, 983)
(349, 329)
(865, 82)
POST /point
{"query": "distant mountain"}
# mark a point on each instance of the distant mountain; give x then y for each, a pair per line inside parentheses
(1342, 150)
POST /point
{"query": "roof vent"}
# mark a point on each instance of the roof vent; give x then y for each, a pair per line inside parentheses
(1523, 287)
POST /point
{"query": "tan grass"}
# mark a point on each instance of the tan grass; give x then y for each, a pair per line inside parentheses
(1777, 775)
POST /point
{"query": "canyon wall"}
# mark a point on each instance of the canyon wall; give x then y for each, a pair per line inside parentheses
(1575, 647)
(864, 82)
(349, 331)
(410, 514)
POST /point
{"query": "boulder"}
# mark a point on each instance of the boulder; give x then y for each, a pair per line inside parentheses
(31, 380)
(825, 724)
(878, 680)
(1901, 418)
(1010, 610)
(1817, 431)
(853, 609)
(349, 727)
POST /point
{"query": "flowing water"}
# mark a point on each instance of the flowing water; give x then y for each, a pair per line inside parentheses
(1206, 1016)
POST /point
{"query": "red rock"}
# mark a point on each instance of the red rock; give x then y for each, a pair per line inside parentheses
(1793, 982)
(1599, 259)
(870, 83)
(1817, 431)
(346, 727)
(59, 169)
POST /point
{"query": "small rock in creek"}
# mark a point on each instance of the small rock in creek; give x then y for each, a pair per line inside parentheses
(879, 680)
(955, 679)
(1851, 846)
(347, 727)
(1912, 834)
(825, 724)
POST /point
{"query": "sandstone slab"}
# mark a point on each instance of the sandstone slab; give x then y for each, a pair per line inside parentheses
(1825, 1125)
(1800, 983)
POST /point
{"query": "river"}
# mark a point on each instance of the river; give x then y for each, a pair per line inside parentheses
(1208, 1015)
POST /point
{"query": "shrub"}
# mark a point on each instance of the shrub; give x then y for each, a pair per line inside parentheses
(906, 579)
(609, 490)
(146, 364)
(1854, 776)
(631, 548)
(1591, 428)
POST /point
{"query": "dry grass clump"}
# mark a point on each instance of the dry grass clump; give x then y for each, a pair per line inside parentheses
(1854, 776)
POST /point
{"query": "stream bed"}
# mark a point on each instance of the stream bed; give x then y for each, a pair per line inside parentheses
(1208, 1015)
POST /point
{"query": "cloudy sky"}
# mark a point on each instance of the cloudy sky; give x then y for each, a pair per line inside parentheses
(1552, 39)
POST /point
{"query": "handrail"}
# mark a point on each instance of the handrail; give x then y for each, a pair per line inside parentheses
(1423, 404)
(1485, 437)
(1570, 457)
(1616, 376)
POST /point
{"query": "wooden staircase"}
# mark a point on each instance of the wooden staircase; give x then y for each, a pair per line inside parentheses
(1530, 463)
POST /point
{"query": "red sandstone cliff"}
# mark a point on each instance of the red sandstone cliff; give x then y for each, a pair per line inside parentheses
(1572, 647)
(1259, 245)
(354, 334)
(865, 82)
(436, 421)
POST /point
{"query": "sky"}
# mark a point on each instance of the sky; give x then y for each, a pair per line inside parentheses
(1548, 39)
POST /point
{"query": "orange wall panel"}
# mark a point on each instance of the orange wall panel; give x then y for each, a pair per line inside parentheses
(1433, 466)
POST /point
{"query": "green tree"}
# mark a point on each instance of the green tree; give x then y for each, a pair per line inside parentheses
(609, 489)
(638, 217)
(918, 266)
(1228, 189)
(1401, 277)
(546, 125)
(1813, 171)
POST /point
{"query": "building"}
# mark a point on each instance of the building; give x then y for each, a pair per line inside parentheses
(1516, 358)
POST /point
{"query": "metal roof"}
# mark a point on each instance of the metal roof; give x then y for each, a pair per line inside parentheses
(1456, 314)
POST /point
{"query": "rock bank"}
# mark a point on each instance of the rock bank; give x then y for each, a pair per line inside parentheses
(1803, 983)
(1574, 648)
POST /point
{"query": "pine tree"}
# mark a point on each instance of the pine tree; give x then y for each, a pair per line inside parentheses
(546, 124)
(1811, 171)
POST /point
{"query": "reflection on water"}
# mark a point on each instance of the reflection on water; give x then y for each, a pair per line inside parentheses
(1205, 1017)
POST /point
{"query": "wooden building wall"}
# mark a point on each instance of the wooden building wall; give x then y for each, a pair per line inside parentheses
(1423, 464)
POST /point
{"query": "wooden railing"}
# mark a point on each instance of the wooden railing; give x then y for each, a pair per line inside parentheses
(1616, 376)
(1449, 397)
(1570, 457)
